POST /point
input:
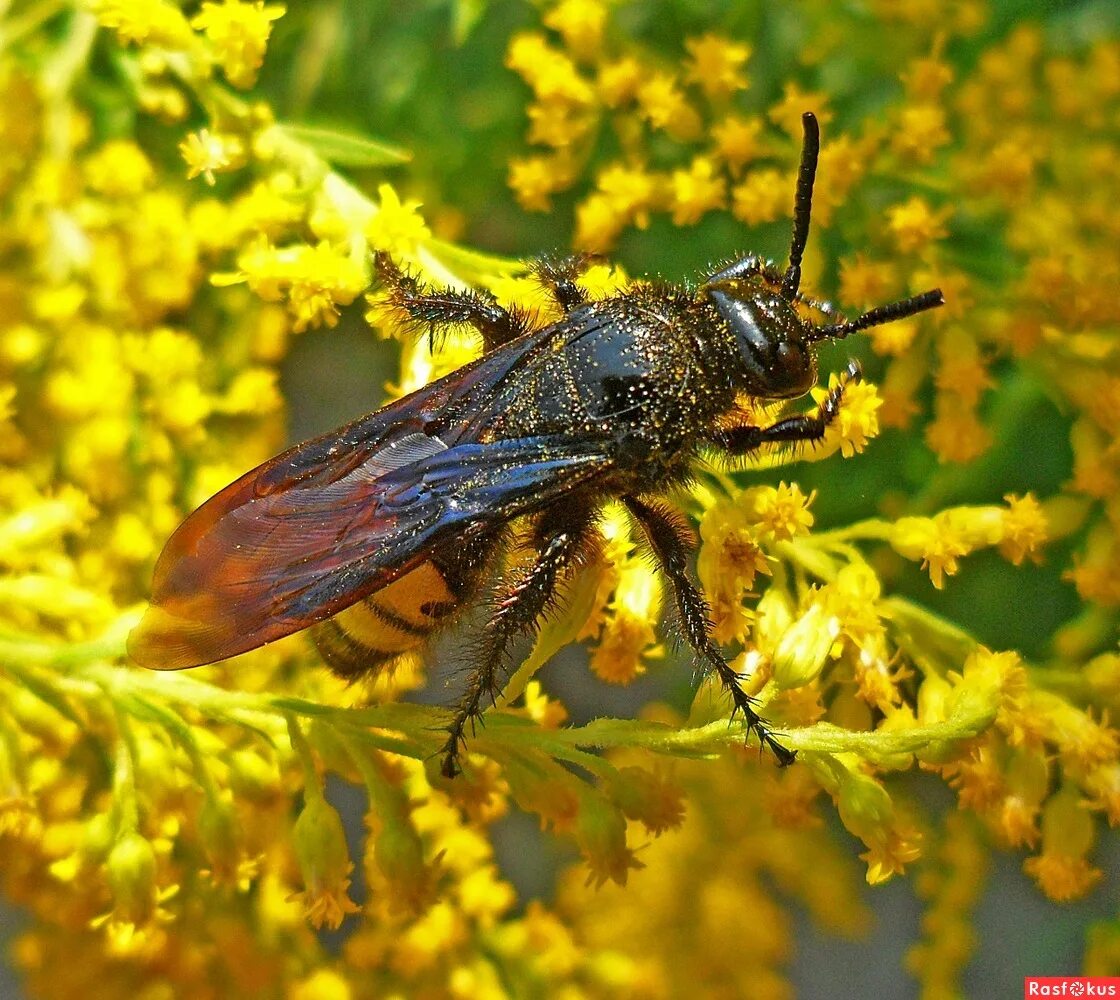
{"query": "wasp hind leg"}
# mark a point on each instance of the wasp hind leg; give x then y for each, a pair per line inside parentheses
(524, 600)
(438, 307)
(671, 549)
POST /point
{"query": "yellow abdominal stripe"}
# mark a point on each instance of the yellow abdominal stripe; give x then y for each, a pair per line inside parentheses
(392, 620)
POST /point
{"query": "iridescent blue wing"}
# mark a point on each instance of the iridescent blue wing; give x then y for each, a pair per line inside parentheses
(330, 521)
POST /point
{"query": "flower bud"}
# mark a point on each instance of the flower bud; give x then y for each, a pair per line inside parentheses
(601, 832)
(131, 874)
(865, 808)
(803, 650)
(319, 841)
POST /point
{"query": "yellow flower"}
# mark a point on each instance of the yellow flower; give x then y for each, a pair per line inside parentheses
(852, 598)
(580, 23)
(926, 78)
(207, 153)
(549, 713)
(628, 635)
(737, 140)
(269, 208)
(761, 197)
(397, 227)
(956, 434)
(618, 653)
(43, 522)
(961, 371)
(598, 224)
(619, 81)
(867, 811)
(131, 871)
(697, 190)
(484, 896)
(1024, 528)
(931, 541)
(551, 74)
(322, 984)
(716, 65)
(914, 225)
(782, 512)
(803, 650)
(653, 798)
(314, 279)
(889, 857)
(894, 339)
(631, 191)
(239, 34)
(666, 108)
(864, 283)
(119, 169)
(253, 391)
(152, 21)
(858, 419)
(920, 133)
(730, 558)
(786, 114)
(558, 125)
(1027, 784)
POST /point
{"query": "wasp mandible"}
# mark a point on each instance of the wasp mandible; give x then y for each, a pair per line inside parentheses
(375, 534)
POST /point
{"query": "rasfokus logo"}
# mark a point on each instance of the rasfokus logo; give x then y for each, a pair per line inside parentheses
(1071, 986)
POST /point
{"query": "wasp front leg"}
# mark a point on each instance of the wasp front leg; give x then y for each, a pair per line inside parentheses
(438, 307)
(802, 427)
(671, 549)
(516, 611)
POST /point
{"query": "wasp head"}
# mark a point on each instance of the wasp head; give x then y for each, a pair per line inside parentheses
(759, 304)
(776, 356)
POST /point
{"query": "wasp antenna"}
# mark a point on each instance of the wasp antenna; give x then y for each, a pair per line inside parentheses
(883, 314)
(802, 202)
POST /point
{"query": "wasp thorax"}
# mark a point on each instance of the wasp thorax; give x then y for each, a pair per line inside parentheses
(776, 358)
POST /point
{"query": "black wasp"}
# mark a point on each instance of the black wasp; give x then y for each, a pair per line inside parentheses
(374, 534)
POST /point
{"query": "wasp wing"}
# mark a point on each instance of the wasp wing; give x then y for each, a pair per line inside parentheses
(329, 522)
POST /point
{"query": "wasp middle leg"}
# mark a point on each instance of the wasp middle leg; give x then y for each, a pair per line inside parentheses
(671, 549)
(561, 542)
(559, 276)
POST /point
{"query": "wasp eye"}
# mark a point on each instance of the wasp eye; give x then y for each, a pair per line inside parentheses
(792, 369)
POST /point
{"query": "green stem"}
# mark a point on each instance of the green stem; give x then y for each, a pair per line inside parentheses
(930, 640)
(311, 785)
(124, 776)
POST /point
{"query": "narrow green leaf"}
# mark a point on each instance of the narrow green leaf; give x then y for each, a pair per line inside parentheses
(345, 148)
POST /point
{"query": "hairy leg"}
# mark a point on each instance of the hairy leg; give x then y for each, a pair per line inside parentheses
(559, 276)
(561, 540)
(446, 306)
(671, 549)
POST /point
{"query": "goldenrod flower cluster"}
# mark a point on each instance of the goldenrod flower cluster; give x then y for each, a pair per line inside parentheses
(168, 236)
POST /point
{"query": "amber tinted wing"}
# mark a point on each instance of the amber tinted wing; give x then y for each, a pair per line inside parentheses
(320, 527)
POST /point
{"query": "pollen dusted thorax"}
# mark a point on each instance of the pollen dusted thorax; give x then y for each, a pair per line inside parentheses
(646, 370)
(376, 533)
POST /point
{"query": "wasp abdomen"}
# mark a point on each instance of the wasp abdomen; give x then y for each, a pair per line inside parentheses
(400, 617)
